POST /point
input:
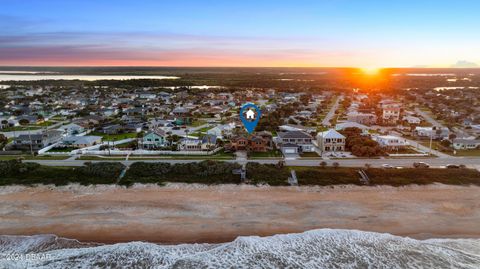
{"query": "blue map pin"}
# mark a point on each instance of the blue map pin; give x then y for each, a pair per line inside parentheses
(251, 121)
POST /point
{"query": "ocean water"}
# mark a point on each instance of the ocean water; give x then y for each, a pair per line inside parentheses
(30, 77)
(323, 248)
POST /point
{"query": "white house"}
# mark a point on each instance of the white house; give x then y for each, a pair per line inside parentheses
(71, 129)
(82, 141)
(390, 141)
(391, 112)
(331, 140)
(466, 143)
(412, 119)
(223, 130)
(434, 132)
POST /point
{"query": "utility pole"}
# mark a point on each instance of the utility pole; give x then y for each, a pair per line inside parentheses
(31, 142)
(431, 139)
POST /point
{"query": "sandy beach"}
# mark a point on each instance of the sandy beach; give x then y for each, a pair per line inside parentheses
(179, 213)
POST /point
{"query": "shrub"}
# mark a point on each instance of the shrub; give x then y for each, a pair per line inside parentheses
(12, 167)
(267, 173)
(206, 172)
(107, 170)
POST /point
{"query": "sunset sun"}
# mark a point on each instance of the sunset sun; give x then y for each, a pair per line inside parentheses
(371, 71)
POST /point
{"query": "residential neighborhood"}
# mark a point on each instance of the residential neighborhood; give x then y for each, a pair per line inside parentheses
(101, 122)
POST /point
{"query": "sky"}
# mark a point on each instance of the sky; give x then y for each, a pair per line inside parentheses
(328, 33)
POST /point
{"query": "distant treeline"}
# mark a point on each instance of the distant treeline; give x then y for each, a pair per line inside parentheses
(268, 78)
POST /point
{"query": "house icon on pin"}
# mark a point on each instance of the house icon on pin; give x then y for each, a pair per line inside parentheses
(250, 114)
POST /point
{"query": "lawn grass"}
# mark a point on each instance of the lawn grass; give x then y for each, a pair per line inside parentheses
(204, 129)
(20, 128)
(436, 145)
(46, 123)
(61, 149)
(97, 158)
(309, 155)
(221, 155)
(30, 157)
(405, 150)
(196, 123)
(468, 153)
(268, 154)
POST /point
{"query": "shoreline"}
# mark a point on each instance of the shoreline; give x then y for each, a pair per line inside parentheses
(194, 213)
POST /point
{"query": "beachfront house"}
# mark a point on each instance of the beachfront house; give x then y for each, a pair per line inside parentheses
(37, 141)
(331, 140)
(206, 143)
(293, 142)
(82, 141)
(155, 140)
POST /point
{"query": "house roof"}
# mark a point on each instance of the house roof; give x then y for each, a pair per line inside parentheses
(292, 127)
(41, 136)
(330, 134)
(389, 137)
(289, 145)
(294, 134)
(350, 124)
(88, 139)
(70, 126)
(466, 141)
(158, 132)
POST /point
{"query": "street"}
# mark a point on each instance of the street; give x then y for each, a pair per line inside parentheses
(331, 112)
(471, 162)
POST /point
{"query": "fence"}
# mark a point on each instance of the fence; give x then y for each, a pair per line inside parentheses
(409, 155)
(147, 152)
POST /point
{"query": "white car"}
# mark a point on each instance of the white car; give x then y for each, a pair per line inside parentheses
(387, 166)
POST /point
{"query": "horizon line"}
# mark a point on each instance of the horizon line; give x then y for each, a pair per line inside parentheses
(195, 66)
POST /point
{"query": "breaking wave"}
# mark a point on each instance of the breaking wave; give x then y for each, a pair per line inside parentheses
(323, 248)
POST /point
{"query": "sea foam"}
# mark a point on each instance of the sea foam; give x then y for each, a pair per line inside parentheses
(323, 248)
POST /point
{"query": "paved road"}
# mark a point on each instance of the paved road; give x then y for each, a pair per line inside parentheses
(331, 113)
(471, 162)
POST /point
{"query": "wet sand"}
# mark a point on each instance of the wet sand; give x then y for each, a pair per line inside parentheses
(181, 213)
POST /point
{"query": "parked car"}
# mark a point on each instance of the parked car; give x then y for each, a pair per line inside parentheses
(387, 166)
(452, 166)
(421, 165)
